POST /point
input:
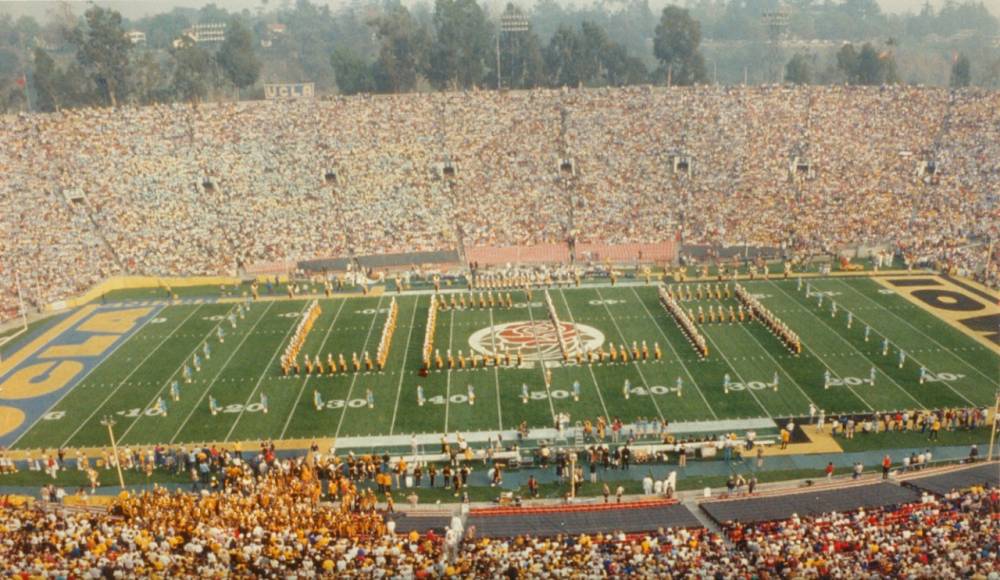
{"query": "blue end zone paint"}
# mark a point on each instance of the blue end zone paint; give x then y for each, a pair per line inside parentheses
(35, 407)
(11, 347)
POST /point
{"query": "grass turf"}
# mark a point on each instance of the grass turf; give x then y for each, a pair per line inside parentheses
(129, 382)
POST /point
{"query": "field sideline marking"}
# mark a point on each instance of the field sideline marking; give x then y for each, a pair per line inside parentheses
(625, 346)
(84, 378)
(593, 377)
(541, 362)
(326, 337)
(676, 354)
(260, 379)
(128, 376)
(838, 335)
(217, 374)
(354, 379)
(915, 359)
(942, 346)
(402, 368)
(447, 381)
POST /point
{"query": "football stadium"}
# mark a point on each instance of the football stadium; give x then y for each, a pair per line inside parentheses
(565, 310)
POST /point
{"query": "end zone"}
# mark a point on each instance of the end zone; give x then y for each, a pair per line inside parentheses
(973, 312)
(37, 376)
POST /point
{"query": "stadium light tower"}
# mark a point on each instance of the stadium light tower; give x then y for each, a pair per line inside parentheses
(776, 22)
(512, 20)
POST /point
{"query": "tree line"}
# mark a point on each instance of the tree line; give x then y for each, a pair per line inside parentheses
(387, 47)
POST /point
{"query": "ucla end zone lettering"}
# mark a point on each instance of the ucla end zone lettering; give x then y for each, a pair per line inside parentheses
(972, 311)
(36, 376)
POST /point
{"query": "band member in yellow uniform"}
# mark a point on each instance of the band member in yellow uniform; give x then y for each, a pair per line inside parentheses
(614, 352)
(318, 365)
(461, 360)
(645, 351)
(309, 365)
(343, 363)
(657, 353)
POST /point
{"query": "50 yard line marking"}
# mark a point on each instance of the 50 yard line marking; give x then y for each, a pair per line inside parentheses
(354, 379)
(541, 363)
(676, 354)
(402, 368)
(260, 379)
(496, 371)
(624, 345)
(94, 368)
(593, 377)
(218, 373)
(447, 383)
(326, 337)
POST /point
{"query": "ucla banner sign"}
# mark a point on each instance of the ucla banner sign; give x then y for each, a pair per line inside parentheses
(289, 91)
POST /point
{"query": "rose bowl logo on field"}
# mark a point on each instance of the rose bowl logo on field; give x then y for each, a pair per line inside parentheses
(536, 341)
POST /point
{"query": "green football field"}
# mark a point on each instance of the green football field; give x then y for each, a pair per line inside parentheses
(127, 385)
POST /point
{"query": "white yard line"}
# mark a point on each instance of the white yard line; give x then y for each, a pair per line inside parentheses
(354, 379)
(621, 335)
(541, 363)
(844, 340)
(778, 365)
(708, 337)
(912, 356)
(125, 380)
(217, 374)
(496, 370)
(260, 379)
(326, 337)
(593, 376)
(447, 383)
(676, 354)
(967, 364)
(402, 368)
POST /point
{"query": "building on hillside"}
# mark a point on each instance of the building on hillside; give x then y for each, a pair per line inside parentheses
(206, 33)
(136, 37)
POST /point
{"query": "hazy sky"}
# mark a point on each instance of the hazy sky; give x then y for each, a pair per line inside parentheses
(139, 8)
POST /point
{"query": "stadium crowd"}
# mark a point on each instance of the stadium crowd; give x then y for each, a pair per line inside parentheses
(272, 525)
(171, 190)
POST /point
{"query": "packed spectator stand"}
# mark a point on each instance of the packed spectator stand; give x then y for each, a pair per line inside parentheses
(270, 517)
(177, 190)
